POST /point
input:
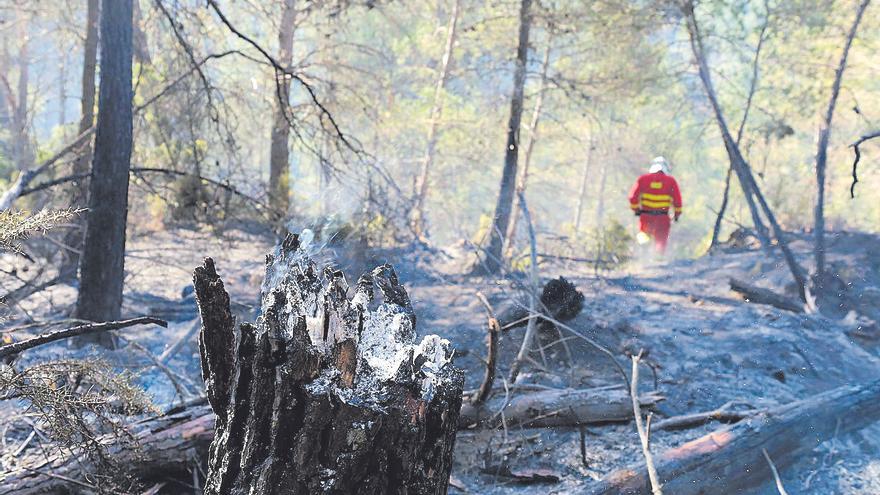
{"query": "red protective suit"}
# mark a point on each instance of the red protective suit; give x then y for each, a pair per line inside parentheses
(652, 196)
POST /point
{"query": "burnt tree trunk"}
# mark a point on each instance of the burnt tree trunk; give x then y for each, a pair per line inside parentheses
(500, 220)
(103, 259)
(279, 154)
(325, 393)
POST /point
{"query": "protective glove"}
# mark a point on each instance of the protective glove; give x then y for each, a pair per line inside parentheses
(676, 216)
(637, 212)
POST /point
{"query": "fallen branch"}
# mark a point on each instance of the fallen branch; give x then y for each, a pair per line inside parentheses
(723, 414)
(759, 295)
(734, 453)
(566, 407)
(165, 446)
(89, 329)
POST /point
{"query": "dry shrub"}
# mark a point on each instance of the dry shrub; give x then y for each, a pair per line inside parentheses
(82, 403)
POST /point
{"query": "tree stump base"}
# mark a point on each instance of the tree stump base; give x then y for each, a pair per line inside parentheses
(325, 393)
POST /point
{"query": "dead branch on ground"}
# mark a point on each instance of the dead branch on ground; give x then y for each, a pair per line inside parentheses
(759, 295)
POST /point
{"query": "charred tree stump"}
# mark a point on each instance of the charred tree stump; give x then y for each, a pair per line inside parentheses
(325, 393)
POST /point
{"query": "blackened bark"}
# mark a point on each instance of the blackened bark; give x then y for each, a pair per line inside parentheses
(324, 394)
(279, 153)
(504, 205)
(102, 263)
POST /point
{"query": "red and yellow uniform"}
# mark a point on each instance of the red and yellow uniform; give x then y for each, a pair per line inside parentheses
(652, 197)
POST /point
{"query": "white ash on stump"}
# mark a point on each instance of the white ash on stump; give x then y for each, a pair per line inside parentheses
(325, 393)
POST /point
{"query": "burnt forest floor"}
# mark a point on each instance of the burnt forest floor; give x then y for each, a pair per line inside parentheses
(706, 345)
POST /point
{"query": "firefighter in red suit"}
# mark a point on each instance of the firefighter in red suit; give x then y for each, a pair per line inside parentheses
(652, 198)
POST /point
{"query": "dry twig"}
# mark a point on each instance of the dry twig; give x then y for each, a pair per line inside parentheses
(643, 434)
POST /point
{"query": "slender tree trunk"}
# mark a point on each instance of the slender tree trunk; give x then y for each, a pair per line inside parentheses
(22, 149)
(716, 230)
(78, 190)
(530, 144)
(501, 218)
(62, 94)
(103, 260)
(822, 151)
(753, 86)
(279, 154)
(87, 103)
(739, 164)
(600, 198)
(141, 45)
(6, 103)
(582, 192)
(417, 221)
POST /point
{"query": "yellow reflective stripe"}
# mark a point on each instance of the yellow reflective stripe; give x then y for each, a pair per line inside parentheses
(634, 206)
(656, 204)
(656, 197)
(678, 209)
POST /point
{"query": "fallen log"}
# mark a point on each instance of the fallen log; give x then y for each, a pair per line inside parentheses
(760, 295)
(566, 407)
(731, 460)
(325, 394)
(165, 445)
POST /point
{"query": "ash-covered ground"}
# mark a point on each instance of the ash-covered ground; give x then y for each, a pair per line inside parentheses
(706, 345)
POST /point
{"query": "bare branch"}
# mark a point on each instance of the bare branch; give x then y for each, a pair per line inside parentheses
(89, 329)
(858, 156)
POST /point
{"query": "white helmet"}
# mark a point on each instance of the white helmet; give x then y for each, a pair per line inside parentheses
(659, 164)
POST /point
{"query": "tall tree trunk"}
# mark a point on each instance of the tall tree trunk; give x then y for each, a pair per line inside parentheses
(822, 151)
(87, 102)
(582, 191)
(22, 153)
(78, 189)
(501, 218)
(739, 164)
(600, 197)
(140, 42)
(753, 86)
(530, 144)
(279, 154)
(417, 220)
(103, 260)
